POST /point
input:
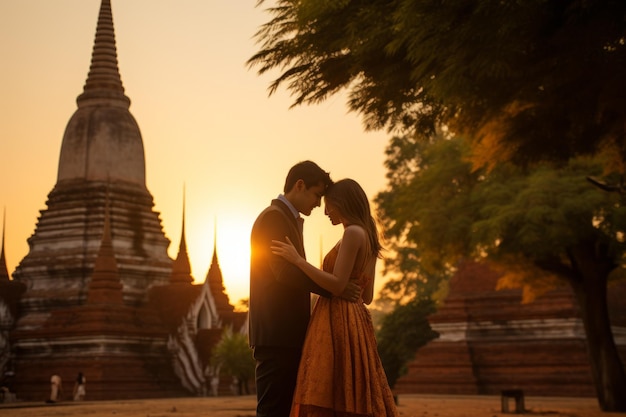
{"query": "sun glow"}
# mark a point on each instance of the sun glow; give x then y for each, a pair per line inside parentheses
(233, 250)
(233, 254)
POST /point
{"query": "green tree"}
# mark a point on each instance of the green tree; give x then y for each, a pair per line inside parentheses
(542, 227)
(233, 356)
(520, 80)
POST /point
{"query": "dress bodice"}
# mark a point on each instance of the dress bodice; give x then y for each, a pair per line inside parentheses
(358, 274)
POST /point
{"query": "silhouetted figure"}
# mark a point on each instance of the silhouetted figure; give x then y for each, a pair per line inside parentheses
(80, 386)
(56, 389)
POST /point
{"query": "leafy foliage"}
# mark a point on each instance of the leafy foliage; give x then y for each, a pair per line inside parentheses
(521, 80)
(448, 211)
(232, 354)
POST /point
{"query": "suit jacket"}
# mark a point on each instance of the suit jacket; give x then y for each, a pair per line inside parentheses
(280, 299)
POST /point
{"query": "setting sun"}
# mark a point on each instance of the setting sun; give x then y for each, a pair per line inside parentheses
(232, 231)
(233, 253)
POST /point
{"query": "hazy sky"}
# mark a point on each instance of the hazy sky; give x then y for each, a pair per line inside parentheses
(206, 120)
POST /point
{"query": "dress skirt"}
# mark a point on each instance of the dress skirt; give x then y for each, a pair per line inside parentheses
(340, 372)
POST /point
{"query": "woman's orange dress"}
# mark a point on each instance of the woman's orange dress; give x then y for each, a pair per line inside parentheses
(340, 372)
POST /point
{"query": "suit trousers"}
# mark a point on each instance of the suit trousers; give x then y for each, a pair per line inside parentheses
(276, 375)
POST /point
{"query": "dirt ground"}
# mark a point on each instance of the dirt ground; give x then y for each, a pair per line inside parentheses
(410, 405)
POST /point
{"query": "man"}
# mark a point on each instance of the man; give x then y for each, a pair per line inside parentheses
(280, 299)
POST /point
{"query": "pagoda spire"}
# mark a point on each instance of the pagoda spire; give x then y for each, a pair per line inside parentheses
(105, 286)
(214, 260)
(104, 83)
(215, 281)
(4, 272)
(181, 267)
(102, 141)
(214, 276)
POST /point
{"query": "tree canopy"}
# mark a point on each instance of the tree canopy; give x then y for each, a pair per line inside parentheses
(507, 215)
(541, 227)
(520, 80)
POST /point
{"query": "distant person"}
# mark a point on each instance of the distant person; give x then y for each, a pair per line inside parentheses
(215, 383)
(234, 386)
(7, 384)
(56, 389)
(280, 293)
(340, 372)
(80, 387)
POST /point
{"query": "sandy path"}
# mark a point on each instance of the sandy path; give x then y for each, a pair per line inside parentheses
(409, 406)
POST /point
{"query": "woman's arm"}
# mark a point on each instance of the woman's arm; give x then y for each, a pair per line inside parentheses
(352, 241)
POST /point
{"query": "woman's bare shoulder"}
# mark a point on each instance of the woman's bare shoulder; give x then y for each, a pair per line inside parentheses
(354, 232)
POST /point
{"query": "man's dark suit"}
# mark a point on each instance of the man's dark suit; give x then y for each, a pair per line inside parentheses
(279, 309)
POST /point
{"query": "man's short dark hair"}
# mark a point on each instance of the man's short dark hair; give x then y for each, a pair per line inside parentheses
(310, 173)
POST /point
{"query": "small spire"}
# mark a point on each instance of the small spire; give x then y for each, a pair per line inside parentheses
(105, 286)
(214, 275)
(4, 272)
(215, 281)
(104, 84)
(182, 247)
(214, 260)
(181, 267)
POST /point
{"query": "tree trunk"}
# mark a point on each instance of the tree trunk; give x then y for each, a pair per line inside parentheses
(590, 288)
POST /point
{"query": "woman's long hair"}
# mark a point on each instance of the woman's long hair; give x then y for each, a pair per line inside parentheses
(351, 201)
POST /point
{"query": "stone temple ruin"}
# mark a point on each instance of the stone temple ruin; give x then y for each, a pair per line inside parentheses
(97, 292)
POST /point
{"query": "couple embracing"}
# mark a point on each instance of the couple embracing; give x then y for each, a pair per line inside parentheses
(323, 363)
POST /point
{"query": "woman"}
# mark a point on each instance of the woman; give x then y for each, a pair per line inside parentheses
(340, 371)
(80, 387)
